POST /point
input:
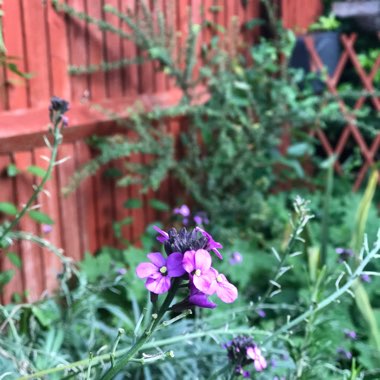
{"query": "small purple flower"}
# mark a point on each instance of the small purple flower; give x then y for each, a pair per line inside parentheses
(259, 361)
(223, 289)
(350, 334)
(200, 299)
(365, 278)
(261, 313)
(344, 253)
(162, 235)
(198, 264)
(160, 270)
(242, 351)
(198, 220)
(344, 354)
(212, 245)
(182, 210)
(46, 228)
(201, 218)
(121, 271)
(236, 258)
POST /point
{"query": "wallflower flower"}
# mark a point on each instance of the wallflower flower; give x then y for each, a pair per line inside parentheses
(343, 353)
(258, 360)
(242, 351)
(160, 270)
(350, 334)
(344, 253)
(198, 264)
(365, 278)
(188, 259)
(182, 210)
(236, 258)
(223, 289)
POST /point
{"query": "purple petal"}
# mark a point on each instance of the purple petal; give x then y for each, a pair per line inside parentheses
(260, 364)
(212, 244)
(158, 285)
(217, 253)
(197, 220)
(201, 300)
(157, 259)
(204, 283)
(163, 236)
(145, 270)
(188, 261)
(202, 260)
(225, 290)
(174, 264)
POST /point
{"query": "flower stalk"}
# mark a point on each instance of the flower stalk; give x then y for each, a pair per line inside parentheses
(57, 109)
(146, 335)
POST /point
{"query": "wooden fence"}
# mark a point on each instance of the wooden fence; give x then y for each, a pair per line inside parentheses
(46, 42)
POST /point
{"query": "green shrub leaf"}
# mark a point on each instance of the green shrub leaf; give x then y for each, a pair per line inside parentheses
(8, 208)
(40, 217)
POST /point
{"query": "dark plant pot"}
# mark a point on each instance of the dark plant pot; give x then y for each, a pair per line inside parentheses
(370, 22)
(327, 46)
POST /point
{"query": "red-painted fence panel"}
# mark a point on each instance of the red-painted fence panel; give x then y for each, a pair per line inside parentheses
(46, 42)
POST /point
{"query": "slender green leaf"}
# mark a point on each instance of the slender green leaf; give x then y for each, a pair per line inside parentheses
(40, 217)
(36, 170)
(133, 203)
(8, 208)
(158, 205)
(14, 259)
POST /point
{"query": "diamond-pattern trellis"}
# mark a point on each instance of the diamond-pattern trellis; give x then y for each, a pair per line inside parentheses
(350, 130)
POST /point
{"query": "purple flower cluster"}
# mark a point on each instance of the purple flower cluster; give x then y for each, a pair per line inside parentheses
(188, 258)
(200, 218)
(344, 253)
(242, 351)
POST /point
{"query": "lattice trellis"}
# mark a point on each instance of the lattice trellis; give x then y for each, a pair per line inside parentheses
(368, 151)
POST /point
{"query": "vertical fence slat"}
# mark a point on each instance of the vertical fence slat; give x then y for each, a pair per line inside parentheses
(32, 264)
(86, 202)
(113, 53)
(78, 50)
(36, 52)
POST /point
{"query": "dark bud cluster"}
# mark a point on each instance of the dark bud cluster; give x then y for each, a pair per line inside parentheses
(237, 349)
(57, 108)
(184, 241)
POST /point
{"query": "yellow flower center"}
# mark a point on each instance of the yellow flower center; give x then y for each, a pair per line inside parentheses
(163, 270)
(219, 278)
(198, 272)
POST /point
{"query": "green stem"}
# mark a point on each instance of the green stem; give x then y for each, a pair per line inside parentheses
(158, 343)
(333, 297)
(281, 263)
(57, 139)
(145, 336)
(326, 213)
